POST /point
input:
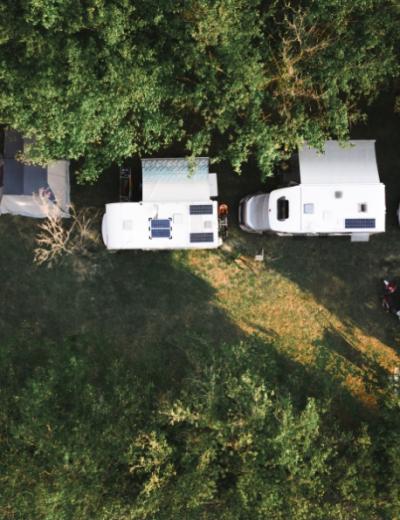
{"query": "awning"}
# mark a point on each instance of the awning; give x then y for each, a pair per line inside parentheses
(354, 163)
(175, 180)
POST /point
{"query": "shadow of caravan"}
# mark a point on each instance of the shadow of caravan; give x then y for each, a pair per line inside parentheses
(337, 192)
(178, 209)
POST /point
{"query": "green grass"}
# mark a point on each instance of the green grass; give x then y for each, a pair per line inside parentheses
(318, 296)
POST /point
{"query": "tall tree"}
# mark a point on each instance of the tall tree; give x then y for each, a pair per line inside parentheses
(86, 433)
(104, 80)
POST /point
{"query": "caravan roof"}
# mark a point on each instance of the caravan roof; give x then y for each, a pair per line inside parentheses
(176, 212)
(335, 208)
(340, 192)
(168, 225)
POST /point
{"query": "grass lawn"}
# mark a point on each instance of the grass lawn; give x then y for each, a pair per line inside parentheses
(318, 298)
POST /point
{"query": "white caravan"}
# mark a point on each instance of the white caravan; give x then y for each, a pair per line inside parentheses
(338, 193)
(177, 210)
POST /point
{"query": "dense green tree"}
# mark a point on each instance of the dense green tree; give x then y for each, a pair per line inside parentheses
(87, 431)
(235, 446)
(105, 80)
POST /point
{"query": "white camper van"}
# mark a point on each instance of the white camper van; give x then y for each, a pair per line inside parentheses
(177, 211)
(338, 192)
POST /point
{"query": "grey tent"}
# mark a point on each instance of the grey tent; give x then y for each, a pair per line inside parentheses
(31, 190)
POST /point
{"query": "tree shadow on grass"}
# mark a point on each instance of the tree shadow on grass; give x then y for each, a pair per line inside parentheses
(350, 361)
(336, 342)
(342, 276)
(147, 307)
(142, 302)
(134, 298)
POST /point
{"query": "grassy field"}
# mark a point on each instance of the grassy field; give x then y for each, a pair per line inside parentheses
(318, 298)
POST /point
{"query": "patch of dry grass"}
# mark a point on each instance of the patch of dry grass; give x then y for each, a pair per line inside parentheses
(261, 298)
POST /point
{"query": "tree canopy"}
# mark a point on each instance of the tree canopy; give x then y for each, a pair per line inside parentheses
(88, 432)
(100, 81)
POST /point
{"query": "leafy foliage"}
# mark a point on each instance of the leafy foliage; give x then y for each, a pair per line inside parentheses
(86, 434)
(106, 80)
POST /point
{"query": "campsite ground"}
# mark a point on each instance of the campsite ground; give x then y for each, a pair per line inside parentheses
(316, 298)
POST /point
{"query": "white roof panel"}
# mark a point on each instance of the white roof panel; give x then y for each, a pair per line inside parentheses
(167, 225)
(175, 180)
(355, 163)
(325, 208)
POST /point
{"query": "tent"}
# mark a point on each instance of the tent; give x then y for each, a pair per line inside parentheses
(30, 190)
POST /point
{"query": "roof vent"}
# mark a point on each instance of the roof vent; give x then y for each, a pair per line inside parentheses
(338, 194)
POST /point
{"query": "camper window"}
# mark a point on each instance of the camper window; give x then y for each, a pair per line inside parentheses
(282, 208)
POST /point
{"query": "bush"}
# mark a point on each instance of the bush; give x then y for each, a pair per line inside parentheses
(86, 434)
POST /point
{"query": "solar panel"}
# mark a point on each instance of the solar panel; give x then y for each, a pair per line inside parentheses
(160, 228)
(161, 233)
(201, 237)
(160, 223)
(359, 223)
(201, 209)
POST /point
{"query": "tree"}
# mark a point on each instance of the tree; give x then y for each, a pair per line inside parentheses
(234, 445)
(88, 432)
(231, 78)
